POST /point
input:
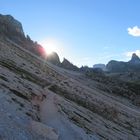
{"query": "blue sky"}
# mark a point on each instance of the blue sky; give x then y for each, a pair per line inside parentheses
(84, 31)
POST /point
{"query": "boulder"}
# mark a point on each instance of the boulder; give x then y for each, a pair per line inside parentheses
(53, 58)
(68, 65)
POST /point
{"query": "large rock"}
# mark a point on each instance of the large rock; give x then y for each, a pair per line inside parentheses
(135, 59)
(53, 58)
(10, 27)
(68, 65)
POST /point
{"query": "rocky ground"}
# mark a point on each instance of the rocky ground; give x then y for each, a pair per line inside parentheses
(39, 101)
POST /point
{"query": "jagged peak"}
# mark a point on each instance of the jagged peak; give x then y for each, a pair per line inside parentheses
(8, 17)
(135, 58)
(54, 58)
(8, 22)
(68, 65)
(65, 60)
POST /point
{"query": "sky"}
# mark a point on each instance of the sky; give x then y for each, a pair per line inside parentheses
(86, 32)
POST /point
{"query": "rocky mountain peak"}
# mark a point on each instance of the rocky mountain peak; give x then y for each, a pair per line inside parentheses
(40, 101)
(68, 65)
(11, 30)
(10, 26)
(135, 58)
(53, 58)
(66, 61)
(119, 66)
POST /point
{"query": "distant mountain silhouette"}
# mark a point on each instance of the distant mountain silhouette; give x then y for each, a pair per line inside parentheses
(101, 66)
(135, 59)
(119, 66)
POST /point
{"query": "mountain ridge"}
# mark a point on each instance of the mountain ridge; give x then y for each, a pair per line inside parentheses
(119, 66)
(43, 101)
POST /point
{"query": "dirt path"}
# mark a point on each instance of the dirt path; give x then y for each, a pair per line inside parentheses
(51, 117)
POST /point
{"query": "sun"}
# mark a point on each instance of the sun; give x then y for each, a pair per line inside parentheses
(49, 45)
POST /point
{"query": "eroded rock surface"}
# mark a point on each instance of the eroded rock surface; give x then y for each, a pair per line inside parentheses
(40, 101)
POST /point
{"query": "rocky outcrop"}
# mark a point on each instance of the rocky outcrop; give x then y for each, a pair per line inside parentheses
(23, 77)
(68, 65)
(135, 59)
(75, 107)
(12, 31)
(53, 58)
(10, 27)
(115, 66)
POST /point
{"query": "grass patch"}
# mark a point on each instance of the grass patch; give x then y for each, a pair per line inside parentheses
(107, 112)
(15, 100)
(3, 78)
(19, 94)
(23, 73)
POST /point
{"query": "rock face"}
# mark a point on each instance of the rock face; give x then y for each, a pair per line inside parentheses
(10, 27)
(40, 101)
(12, 31)
(54, 58)
(131, 66)
(68, 65)
(135, 59)
(115, 66)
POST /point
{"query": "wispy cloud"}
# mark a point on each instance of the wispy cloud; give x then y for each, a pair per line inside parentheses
(129, 54)
(134, 31)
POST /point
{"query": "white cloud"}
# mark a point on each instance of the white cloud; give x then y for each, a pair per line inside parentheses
(134, 31)
(129, 54)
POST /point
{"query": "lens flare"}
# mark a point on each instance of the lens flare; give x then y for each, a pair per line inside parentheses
(49, 45)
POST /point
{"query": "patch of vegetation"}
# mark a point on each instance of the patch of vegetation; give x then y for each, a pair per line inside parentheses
(101, 136)
(19, 94)
(82, 117)
(16, 101)
(3, 78)
(34, 117)
(24, 74)
(28, 114)
(128, 126)
(116, 86)
(107, 112)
